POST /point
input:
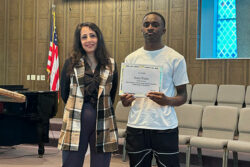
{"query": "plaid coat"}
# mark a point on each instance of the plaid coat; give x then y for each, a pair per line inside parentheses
(106, 129)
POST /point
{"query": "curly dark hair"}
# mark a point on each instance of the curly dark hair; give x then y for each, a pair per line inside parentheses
(101, 54)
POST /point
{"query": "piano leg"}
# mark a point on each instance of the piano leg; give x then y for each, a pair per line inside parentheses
(41, 128)
(40, 150)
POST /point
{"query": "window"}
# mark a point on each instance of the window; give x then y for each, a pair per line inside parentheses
(219, 33)
(226, 30)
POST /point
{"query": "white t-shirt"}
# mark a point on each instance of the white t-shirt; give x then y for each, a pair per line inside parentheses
(144, 112)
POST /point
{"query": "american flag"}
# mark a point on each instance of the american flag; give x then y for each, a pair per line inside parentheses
(53, 59)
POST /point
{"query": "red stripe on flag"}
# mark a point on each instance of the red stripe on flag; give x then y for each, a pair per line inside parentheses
(56, 80)
(52, 55)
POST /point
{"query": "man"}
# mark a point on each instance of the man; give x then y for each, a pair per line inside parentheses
(152, 127)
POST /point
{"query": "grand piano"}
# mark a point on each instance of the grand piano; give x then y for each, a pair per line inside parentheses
(27, 122)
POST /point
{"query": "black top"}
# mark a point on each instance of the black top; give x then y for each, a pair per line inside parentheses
(91, 83)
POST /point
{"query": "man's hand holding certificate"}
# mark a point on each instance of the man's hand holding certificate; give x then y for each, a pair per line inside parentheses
(140, 79)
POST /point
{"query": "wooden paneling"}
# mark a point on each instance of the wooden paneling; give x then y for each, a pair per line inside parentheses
(38, 83)
(248, 72)
(3, 40)
(2, 8)
(28, 54)
(28, 8)
(28, 42)
(42, 49)
(13, 42)
(177, 25)
(237, 72)
(91, 11)
(196, 68)
(28, 28)
(2, 63)
(162, 6)
(124, 31)
(108, 24)
(43, 9)
(141, 8)
(2, 24)
(12, 77)
(14, 7)
(43, 30)
(26, 70)
(1, 53)
(215, 72)
(72, 20)
(14, 27)
(74, 9)
(25, 32)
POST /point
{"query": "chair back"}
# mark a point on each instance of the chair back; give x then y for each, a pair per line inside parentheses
(121, 114)
(231, 95)
(247, 97)
(219, 122)
(204, 94)
(244, 124)
(189, 119)
(189, 90)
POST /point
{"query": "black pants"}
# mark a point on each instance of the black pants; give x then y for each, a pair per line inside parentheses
(142, 144)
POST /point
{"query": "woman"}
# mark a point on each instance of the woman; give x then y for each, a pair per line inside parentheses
(88, 87)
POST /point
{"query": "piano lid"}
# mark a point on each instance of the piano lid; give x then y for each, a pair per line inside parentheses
(10, 96)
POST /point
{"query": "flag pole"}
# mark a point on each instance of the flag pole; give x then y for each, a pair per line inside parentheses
(53, 6)
(52, 22)
(53, 12)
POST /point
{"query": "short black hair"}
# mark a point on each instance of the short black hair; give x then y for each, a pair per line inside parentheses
(158, 14)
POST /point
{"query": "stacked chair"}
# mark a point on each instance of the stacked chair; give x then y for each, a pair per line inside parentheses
(211, 118)
(189, 120)
(243, 142)
(247, 97)
(204, 94)
(189, 90)
(231, 95)
(121, 114)
(218, 126)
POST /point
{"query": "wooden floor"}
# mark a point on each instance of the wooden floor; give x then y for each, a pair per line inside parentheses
(26, 156)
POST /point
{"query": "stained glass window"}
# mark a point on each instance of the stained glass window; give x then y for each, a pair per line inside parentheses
(226, 29)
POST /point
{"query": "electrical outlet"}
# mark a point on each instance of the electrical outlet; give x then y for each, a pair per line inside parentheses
(33, 77)
(38, 77)
(43, 77)
(28, 77)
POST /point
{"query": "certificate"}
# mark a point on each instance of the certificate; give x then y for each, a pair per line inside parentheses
(139, 79)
